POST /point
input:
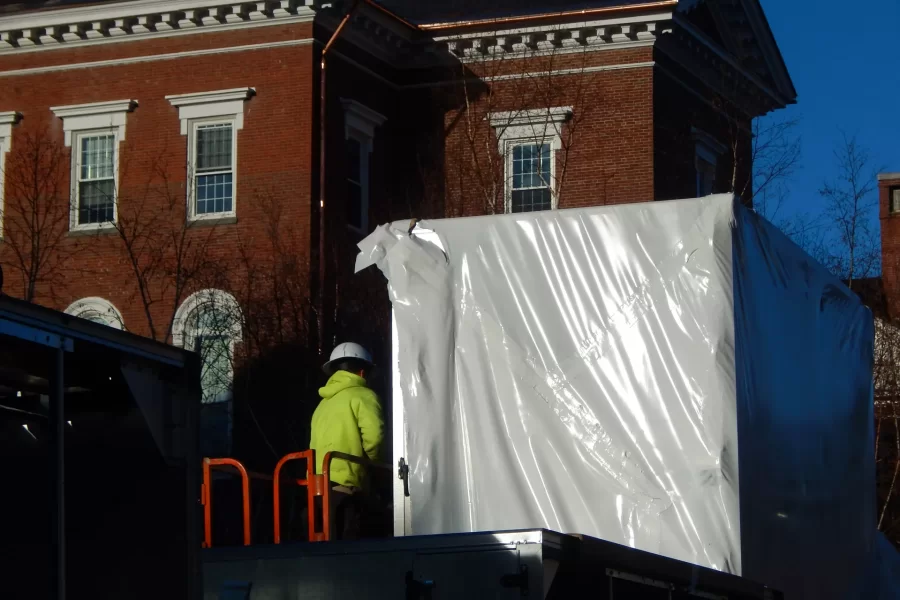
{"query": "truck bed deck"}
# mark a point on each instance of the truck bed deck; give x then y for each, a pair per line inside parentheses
(512, 564)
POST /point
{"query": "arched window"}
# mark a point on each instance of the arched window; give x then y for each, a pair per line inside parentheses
(97, 310)
(209, 322)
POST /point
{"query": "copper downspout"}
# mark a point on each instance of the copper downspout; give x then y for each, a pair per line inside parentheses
(322, 132)
(322, 135)
(587, 12)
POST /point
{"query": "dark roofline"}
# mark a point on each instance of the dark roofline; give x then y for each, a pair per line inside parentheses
(67, 326)
(584, 12)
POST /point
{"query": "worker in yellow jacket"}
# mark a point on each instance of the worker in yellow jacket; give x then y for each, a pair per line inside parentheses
(349, 419)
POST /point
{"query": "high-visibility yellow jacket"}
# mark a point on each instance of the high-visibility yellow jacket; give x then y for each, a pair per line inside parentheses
(348, 419)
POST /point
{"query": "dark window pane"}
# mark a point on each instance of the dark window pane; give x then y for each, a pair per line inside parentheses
(354, 151)
(214, 193)
(354, 204)
(214, 147)
(531, 200)
(531, 166)
(95, 201)
(97, 157)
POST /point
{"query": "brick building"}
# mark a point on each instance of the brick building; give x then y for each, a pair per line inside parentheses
(160, 159)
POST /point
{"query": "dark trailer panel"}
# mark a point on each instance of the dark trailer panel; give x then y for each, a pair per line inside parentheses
(536, 564)
(98, 435)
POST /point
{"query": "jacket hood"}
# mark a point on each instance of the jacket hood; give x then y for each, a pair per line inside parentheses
(339, 382)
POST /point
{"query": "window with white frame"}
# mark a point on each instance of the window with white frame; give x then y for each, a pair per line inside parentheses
(94, 176)
(359, 135)
(97, 310)
(7, 120)
(94, 132)
(530, 188)
(213, 160)
(706, 157)
(209, 322)
(528, 142)
(211, 121)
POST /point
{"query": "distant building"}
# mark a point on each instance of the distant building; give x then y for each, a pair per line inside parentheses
(159, 162)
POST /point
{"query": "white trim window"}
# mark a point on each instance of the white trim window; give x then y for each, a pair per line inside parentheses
(94, 132)
(209, 323)
(528, 143)
(97, 310)
(707, 151)
(211, 121)
(359, 135)
(7, 120)
(213, 146)
(895, 200)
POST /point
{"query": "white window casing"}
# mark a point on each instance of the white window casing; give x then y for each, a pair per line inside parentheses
(97, 130)
(532, 129)
(360, 123)
(97, 310)
(707, 151)
(206, 115)
(7, 120)
(210, 322)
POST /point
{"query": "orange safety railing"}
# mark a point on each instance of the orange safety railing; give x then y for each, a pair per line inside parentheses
(206, 496)
(310, 457)
(317, 485)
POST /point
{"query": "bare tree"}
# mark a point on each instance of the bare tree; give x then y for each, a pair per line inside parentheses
(887, 426)
(35, 216)
(775, 158)
(853, 249)
(166, 252)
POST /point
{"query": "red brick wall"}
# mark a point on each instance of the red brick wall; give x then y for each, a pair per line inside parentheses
(607, 155)
(273, 148)
(890, 244)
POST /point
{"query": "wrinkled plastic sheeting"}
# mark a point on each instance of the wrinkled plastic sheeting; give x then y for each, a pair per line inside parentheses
(676, 377)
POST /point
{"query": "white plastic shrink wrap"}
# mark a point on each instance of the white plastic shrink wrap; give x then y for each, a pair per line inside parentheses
(677, 377)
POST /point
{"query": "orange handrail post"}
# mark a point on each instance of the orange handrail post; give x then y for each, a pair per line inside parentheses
(310, 457)
(206, 497)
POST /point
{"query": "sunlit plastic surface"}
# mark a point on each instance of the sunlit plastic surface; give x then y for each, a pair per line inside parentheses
(675, 376)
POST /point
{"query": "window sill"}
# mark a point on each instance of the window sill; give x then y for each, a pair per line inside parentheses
(90, 231)
(212, 221)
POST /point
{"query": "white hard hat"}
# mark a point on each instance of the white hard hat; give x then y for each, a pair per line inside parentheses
(343, 352)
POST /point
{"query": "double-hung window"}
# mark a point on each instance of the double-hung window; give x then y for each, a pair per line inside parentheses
(531, 169)
(94, 133)
(94, 174)
(706, 157)
(528, 142)
(360, 123)
(211, 121)
(357, 164)
(213, 164)
(7, 120)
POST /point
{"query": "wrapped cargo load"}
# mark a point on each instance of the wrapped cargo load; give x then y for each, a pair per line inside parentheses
(677, 377)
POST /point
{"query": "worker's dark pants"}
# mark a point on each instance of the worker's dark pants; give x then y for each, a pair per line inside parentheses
(346, 513)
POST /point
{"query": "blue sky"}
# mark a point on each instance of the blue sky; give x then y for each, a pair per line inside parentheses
(844, 58)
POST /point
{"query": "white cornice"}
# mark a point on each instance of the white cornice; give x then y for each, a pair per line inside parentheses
(218, 103)
(361, 118)
(139, 20)
(211, 97)
(96, 115)
(619, 32)
(95, 108)
(537, 116)
(9, 117)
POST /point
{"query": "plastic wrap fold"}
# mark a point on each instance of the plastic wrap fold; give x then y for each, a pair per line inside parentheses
(676, 376)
